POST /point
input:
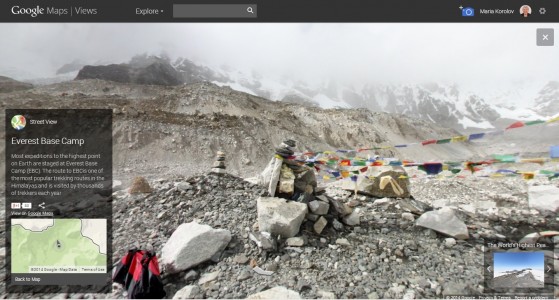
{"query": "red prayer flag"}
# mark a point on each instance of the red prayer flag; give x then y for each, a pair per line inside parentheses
(345, 162)
(516, 125)
(428, 142)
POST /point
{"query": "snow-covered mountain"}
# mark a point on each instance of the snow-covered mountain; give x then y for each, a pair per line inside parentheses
(523, 278)
(446, 104)
(449, 105)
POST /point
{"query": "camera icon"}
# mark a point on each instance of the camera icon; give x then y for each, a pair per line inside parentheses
(468, 12)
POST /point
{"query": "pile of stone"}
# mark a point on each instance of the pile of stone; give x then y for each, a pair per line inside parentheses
(286, 177)
(219, 163)
(286, 149)
(140, 185)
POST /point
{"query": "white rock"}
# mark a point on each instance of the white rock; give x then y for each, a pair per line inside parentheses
(381, 201)
(544, 197)
(188, 292)
(117, 185)
(279, 292)
(444, 221)
(191, 244)
(342, 242)
(353, 218)
(295, 241)
(326, 295)
(280, 217)
(410, 294)
(207, 277)
(449, 242)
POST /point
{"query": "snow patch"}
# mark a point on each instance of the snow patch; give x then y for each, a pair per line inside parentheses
(326, 102)
(235, 86)
(469, 123)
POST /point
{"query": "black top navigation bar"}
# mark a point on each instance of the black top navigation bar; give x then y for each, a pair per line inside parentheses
(516, 11)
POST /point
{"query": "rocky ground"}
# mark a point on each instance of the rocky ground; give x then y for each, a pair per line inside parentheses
(160, 132)
(385, 256)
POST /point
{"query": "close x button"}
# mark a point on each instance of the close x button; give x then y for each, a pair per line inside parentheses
(545, 37)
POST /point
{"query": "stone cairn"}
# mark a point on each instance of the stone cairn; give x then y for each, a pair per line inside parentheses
(219, 163)
(286, 148)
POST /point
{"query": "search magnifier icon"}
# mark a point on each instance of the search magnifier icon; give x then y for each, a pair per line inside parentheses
(249, 10)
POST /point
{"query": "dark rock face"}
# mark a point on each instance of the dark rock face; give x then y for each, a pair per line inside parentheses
(8, 85)
(118, 73)
(156, 73)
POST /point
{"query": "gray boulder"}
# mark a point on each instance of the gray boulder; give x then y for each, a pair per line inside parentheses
(544, 198)
(188, 292)
(353, 218)
(319, 207)
(444, 221)
(191, 244)
(381, 181)
(279, 292)
(280, 217)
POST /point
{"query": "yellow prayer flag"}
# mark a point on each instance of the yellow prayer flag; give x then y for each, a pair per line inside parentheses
(345, 174)
(528, 175)
(556, 119)
(461, 138)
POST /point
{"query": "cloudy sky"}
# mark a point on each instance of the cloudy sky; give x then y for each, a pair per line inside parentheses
(468, 54)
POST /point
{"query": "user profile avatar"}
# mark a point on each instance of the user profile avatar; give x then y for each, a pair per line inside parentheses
(18, 122)
(525, 10)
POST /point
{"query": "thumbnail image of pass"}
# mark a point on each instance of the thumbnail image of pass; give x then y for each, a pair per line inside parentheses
(59, 246)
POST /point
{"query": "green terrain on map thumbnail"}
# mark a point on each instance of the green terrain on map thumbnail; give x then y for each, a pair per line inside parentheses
(59, 245)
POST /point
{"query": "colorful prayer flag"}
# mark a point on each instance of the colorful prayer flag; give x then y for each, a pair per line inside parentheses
(443, 141)
(515, 125)
(529, 123)
(345, 162)
(475, 136)
(461, 138)
(428, 142)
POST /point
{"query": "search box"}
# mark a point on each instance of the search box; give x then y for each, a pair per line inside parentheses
(214, 10)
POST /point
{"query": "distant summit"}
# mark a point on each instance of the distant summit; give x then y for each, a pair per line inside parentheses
(525, 278)
(150, 71)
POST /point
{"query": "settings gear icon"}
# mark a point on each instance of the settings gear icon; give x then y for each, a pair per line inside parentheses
(542, 10)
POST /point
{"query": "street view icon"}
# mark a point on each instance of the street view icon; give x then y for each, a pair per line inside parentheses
(18, 122)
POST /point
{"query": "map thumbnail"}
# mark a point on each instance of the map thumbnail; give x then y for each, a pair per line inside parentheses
(59, 245)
